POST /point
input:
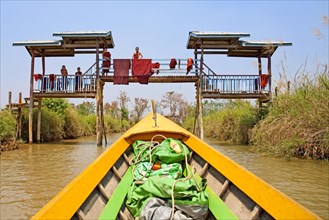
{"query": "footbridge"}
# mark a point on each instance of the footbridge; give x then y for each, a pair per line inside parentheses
(208, 83)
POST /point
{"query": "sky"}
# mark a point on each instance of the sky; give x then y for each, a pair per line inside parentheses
(160, 29)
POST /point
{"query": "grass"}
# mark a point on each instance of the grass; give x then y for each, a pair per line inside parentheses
(298, 123)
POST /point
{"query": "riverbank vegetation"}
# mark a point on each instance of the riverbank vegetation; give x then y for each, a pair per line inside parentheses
(298, 123)
(7, 131)
(62, 120)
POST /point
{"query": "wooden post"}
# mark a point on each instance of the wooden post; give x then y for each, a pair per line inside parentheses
(19, 118)
(39, 121)
(276, 91)
(43, 63)
(9, 101)
(259, 64)
(288, 87)
(102, 110)
(195, 58)
(196, 109)
(99, 134)
(259, 70)
(31, 99)
(269, 72)
(43, 84)
(200, 95)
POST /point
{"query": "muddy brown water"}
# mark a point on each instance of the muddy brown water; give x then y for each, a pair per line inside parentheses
(34, 174)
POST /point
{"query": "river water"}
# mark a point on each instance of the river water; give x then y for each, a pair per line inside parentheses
(34, 174)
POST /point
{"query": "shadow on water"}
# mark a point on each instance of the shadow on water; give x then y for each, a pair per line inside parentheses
(306, 181)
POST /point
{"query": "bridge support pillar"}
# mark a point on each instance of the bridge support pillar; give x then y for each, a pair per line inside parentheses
(99, 113)
(39, 121)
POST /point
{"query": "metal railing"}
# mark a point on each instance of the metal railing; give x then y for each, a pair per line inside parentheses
(69, 84)
(238, 84)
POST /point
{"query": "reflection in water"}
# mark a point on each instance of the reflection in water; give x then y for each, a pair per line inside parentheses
(306, 181)
(34, 174)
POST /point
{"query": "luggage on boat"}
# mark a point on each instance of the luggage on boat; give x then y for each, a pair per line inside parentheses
(165, 193)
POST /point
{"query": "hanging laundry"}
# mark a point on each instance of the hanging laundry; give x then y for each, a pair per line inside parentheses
(189, 65)
(172, 63)
(264, 80)
(121, 71)
(37, 76)
(141, 70)
(52, 80)
(155, 66)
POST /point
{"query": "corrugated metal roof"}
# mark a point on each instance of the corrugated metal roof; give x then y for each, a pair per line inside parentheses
(41, 43)
(214, 34)
(83, 34)
(265, 43)
(213, 39)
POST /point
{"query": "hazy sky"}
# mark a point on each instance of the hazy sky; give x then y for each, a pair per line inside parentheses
(161, 30)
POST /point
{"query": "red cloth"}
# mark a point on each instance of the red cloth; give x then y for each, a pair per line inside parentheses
(52, 80)
(189, 65)
(141, 70)
(106, 64)
(172, 63)
(37, 76)
(264, 80)
(155, 66)
(121, 71)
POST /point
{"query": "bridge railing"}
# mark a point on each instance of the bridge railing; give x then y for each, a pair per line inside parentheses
(70, 83)
(232, 84)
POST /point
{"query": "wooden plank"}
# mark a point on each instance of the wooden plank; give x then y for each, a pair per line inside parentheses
(113, 206)
(217, 207)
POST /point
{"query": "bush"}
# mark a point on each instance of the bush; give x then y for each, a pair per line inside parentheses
(89, 124)
(112, 125)
(72, 124)
(232, 123)
(51, 125)
(7, 126)
(297, 124)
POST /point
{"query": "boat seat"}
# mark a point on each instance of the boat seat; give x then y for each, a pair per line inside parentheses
(115, 202)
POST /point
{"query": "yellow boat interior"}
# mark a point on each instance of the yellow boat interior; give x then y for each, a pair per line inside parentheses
(99, 192)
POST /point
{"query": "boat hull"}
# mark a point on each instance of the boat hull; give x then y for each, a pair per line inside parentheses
(234, 192)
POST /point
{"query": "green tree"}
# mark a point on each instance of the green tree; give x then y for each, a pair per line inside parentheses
(58, 105)
(86, 108)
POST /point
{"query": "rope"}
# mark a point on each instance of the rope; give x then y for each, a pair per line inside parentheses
(190, 174)
(137, 159)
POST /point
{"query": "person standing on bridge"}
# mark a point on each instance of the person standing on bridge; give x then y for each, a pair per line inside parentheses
(64, 74)
(106, 61)
(137, 55)
(78, 79)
